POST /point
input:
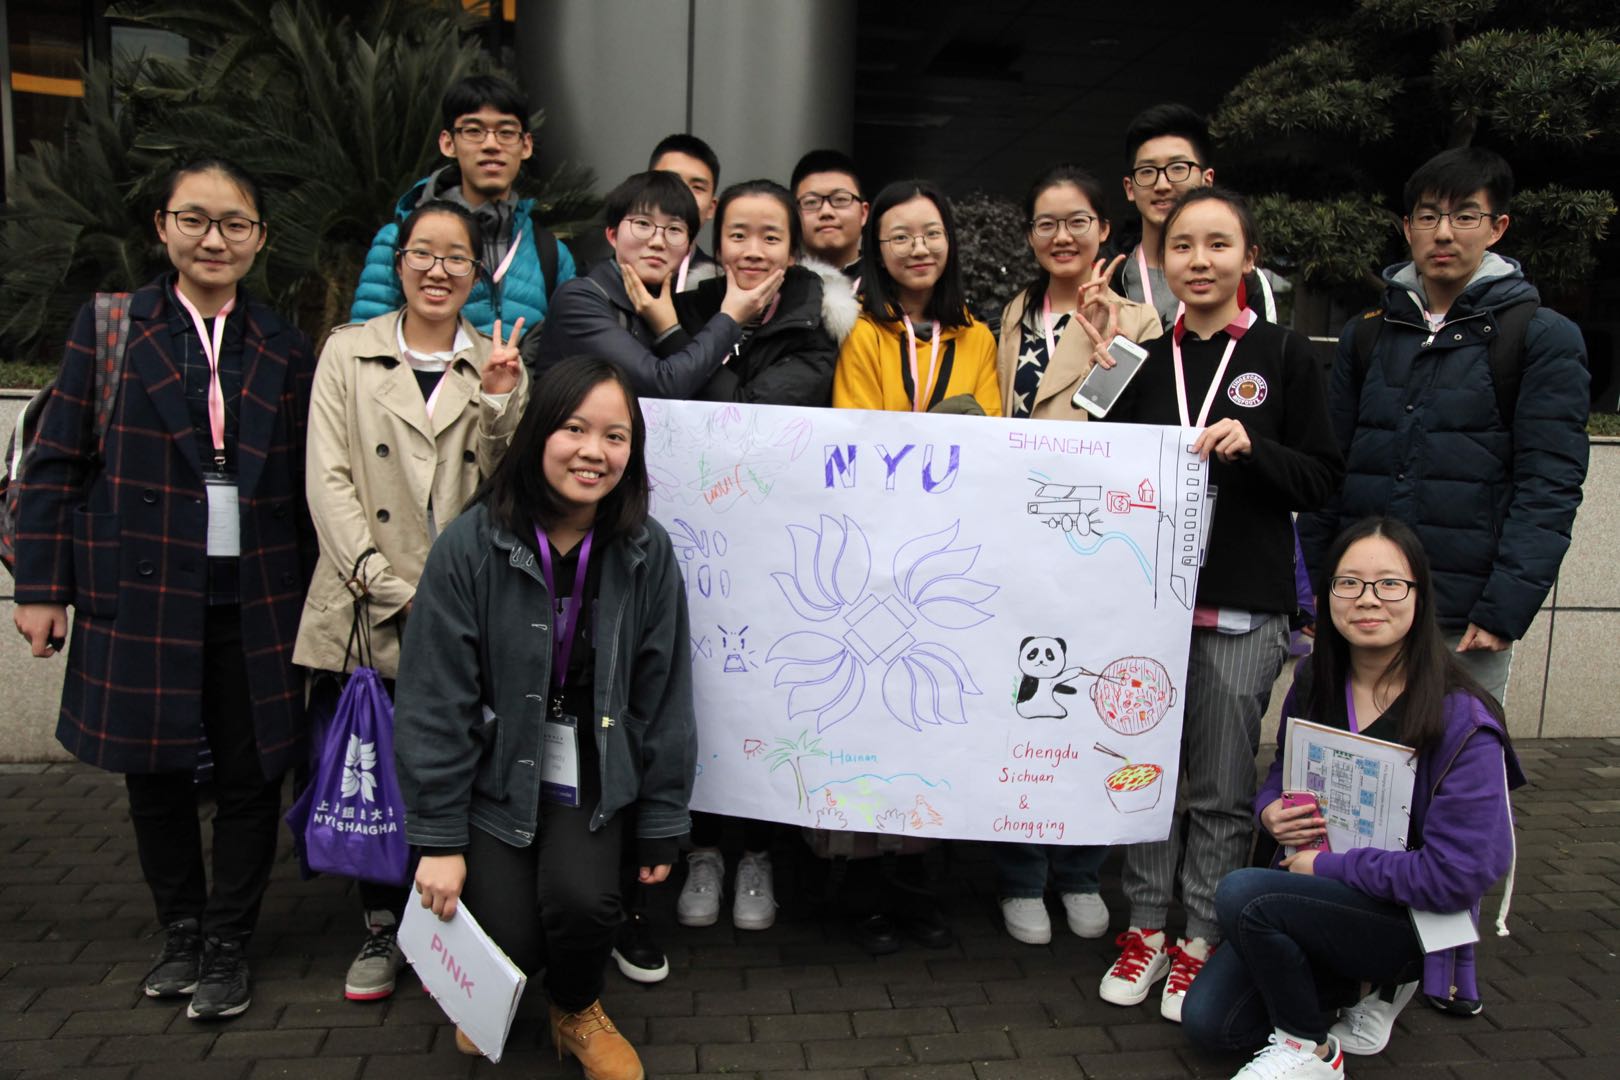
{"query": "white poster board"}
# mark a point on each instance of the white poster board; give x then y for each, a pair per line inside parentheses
(943, 626)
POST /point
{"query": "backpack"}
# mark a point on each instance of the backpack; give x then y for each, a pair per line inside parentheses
(1506, 352)
(547, 243)
(112, 335)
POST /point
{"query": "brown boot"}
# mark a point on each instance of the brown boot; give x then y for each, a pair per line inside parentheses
(591, 1037)
(465, 1045)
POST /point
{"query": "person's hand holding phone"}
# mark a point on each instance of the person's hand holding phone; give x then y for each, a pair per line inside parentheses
(1294, 826)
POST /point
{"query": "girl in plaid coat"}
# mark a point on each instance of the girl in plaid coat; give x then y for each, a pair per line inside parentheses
(185, 547)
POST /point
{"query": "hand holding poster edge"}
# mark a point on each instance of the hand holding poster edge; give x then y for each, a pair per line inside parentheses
(474, 982)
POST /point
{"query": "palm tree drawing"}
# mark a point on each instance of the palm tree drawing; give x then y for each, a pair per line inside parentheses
(790, 752)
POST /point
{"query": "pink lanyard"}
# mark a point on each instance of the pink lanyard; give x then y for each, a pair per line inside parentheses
(1247, 319)
(506, 263)
(680, 275)
(1046, 326)
(919, 402)
(562, 644)
(210, 348)
(1142, 272)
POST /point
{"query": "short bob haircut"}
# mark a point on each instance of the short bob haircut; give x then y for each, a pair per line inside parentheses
(1057, 176)
(1215, 193)
(770, 189)
(230, 170)
(1453, 175)
(1428, 669)
(947, 305)
(471, 94)
(475, 237)
(517, 493)
(649, 192)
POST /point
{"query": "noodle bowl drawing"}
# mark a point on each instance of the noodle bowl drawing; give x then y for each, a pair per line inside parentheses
(1133, 787)
(1132, 694)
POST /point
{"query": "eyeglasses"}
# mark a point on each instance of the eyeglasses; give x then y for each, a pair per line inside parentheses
(1460, 219)
(1177, 172)
(1046, 227)
(422, 261)
(506, 135)
(1389, 589)
(675, 233)
(810, 202)
(933, 240)
(235, 229)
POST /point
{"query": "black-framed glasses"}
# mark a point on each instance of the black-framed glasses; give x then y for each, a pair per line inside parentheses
(422, 261)
(1177, 172)
(1460, 219)
(234, 228)
(841, 199)
(675, 233)
(1047, 227)
(1390, 589)
(506, 134)
(933, 240)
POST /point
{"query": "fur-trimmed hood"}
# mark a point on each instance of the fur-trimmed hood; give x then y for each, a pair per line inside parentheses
(839, 305)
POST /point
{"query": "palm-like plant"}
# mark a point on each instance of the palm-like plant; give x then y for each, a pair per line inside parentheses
(790, 752)
(334, 106)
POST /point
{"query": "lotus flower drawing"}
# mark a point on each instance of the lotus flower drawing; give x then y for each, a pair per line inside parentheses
(359, 765)
(922, 682)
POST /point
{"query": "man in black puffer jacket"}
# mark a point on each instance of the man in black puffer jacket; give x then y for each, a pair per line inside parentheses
(1480, 445)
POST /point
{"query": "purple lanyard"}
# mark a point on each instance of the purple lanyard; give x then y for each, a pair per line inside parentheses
(562, 644)
(1350, 708)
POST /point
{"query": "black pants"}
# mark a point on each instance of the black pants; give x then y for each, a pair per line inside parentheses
(554, 904)
(163, 806)
(706, 829)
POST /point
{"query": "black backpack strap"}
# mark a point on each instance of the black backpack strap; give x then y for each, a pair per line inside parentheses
(546, 241)
(1506, 352)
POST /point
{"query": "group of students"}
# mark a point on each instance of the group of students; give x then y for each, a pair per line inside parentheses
(465, 467)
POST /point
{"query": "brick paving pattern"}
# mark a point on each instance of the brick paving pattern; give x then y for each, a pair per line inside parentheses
(797, 1001)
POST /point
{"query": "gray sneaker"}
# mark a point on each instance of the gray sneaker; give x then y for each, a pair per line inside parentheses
(699, 903)
(754, 905)
(371, 974)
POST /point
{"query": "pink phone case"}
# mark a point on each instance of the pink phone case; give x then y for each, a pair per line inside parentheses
(1291, 799)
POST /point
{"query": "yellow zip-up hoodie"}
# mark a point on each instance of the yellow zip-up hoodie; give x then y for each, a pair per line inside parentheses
(874, 371)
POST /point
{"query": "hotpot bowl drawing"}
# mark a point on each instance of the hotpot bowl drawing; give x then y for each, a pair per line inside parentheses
(1134, 788)
(1132, 694)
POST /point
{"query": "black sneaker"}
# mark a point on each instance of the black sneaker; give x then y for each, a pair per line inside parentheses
(637, 954)
(222, 991)
(175, 973)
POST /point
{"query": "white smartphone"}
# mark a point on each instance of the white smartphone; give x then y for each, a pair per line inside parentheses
(1101, 387)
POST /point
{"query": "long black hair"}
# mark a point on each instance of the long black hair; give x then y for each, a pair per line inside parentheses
(517, 492)
(769, 188)
(1429, 669)
(1057, 176)
(947, 304)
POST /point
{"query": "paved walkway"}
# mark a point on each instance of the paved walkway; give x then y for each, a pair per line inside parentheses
(796, 1001)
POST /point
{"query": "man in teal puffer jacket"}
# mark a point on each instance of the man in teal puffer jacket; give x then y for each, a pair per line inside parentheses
(486, 133)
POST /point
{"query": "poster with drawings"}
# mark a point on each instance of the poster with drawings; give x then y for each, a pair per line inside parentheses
(941, 626)
(1363, 785)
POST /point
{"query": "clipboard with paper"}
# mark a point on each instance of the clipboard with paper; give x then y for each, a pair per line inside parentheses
(475, 983)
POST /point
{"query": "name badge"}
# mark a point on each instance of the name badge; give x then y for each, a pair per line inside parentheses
(559, 760)
(224, 519)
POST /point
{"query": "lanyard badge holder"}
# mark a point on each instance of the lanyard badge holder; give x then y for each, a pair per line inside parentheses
(559, 757)
(224, 515)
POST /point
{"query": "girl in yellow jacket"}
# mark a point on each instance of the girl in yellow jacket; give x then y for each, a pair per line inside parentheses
(915, 347)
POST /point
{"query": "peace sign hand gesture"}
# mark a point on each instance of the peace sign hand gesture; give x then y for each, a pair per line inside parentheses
(504, 366)
(1098, 308)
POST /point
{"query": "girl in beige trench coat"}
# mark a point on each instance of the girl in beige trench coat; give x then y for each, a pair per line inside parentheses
(410, 412)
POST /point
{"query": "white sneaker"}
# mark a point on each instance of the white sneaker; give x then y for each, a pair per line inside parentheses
(753, 905)
(1364, 1027)
(1027, 920)
(1088, 915)
(699, 904)
(1286, 1058)
(1186, 961)
(1142, 962)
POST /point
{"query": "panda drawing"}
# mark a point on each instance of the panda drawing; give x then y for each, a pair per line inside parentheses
(1042, 660)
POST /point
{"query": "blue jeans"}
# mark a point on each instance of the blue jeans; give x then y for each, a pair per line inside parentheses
(1021, 868)
(1295, 949)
